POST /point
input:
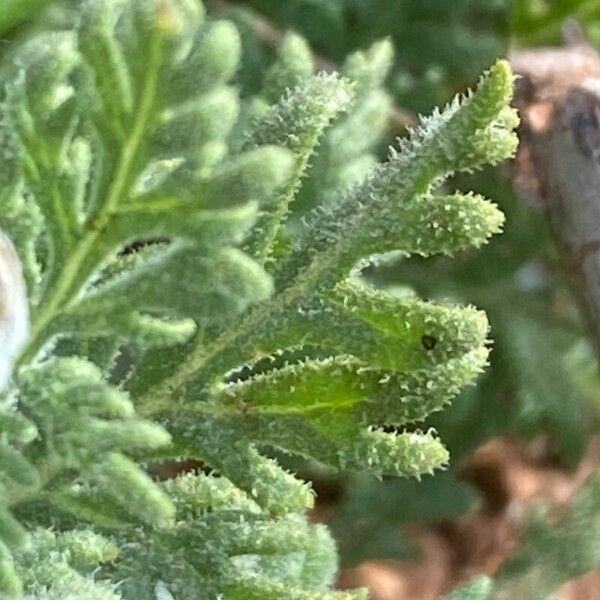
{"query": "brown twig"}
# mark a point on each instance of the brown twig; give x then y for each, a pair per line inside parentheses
(558, 165)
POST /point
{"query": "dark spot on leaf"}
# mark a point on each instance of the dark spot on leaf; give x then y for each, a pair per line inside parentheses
(428, 342)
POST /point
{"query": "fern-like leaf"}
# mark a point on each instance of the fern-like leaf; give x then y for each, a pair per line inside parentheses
(174, 314)
(327, 359)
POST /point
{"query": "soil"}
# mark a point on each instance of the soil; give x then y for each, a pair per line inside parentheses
(511, 476)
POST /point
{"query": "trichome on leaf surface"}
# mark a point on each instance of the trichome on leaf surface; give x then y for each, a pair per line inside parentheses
(150, 208)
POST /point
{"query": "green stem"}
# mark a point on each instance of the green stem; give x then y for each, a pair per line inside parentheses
(73, 273)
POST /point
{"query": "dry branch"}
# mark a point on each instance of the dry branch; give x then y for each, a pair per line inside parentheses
(558, 165)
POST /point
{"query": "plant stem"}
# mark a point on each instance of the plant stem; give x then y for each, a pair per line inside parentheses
(75, 270)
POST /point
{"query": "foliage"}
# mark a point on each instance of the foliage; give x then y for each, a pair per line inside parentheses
(15, 12)
(537, 382)
(531, 378)
(519, 271)
(541, 21)
(348, 149)
(376, 514)
(439, 45)
(148, 224)
(554, 551)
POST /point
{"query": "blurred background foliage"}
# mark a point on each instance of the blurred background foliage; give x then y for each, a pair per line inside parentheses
(535, 22)
(439, 45)
(542, 379)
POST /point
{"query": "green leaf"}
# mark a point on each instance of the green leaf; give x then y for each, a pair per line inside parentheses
(296, 122)
(327, 357)
(171, 320)
(478, 589)
(554, 553)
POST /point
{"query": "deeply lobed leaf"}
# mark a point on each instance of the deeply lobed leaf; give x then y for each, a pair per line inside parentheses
(155, 244)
